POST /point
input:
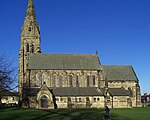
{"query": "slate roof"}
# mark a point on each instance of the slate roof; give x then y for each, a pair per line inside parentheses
(40, 61)
(81, 91)
(118, 92)
(78, 91)
(119, 73)
(8, 93)
(71, 91)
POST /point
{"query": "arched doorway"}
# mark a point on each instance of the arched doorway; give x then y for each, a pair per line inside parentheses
(44, 102)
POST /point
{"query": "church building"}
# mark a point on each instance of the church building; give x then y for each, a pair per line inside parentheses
(70, 80)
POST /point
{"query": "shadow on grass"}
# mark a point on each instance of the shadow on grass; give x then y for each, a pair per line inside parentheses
(118, 117)
(77, 114)
(14, 113)
(83, 114)
(72, 114)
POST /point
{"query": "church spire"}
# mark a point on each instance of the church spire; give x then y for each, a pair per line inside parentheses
(30, 43)
(30, 12)
(30, 27)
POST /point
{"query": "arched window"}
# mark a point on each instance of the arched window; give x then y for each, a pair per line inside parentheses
(27, 47)
(130, 91)
(93, 77)
(43, 77)
(80, 100)
(36, 80)
(60, 80)
(32, 48)
(77, 81)
(54, 81)
(76, 99)
(29, 29)
(70, 80)
(88, 81)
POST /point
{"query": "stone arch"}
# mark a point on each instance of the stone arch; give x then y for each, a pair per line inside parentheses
(45, 91)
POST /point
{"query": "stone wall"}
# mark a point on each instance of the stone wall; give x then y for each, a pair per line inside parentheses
(79, 102)
(121, 102)
(129, 86)
(10, 100)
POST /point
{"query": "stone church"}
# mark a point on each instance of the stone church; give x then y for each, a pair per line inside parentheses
(70, 80)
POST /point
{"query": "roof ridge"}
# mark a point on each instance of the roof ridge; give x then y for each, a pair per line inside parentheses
(117, 65)
(62, 54)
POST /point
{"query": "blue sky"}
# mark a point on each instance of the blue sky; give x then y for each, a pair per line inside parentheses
(118, 29)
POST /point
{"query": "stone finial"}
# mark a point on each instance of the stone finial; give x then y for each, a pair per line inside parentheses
(96, 52)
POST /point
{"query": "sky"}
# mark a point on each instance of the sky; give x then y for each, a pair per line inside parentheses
(118, 29)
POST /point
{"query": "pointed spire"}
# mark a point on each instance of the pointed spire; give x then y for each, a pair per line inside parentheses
(30, 12)
(30, 9)
(30, 2)
(30, 27)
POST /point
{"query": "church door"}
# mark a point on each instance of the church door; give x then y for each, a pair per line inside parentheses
(44, 102)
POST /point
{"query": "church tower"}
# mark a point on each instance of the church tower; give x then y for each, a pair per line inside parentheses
(30, 43)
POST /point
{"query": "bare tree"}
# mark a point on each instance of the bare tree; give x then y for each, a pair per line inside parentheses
(7, 75)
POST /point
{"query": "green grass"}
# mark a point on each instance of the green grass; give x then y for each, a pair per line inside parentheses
(14, 113)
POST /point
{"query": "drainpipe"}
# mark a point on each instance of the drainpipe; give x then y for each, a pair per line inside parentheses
(136, 93)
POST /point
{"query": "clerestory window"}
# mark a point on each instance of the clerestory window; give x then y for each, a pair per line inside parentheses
(93, 80)
(88, 81)
(60, 80)
(71, 80)
(54, 80)
(77, 81)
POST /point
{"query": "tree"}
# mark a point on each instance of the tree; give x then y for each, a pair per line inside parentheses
(7, 75)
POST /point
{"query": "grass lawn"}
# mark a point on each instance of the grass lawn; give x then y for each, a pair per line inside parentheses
(14, 113)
